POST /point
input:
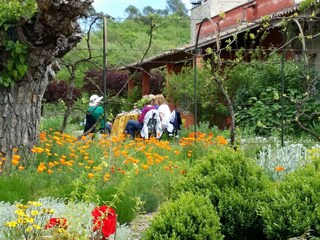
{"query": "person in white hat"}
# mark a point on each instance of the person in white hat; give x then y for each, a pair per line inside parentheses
(97, 112)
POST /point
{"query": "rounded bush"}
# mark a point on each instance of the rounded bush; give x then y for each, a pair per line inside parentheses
(188, 217)
(236, 186)
(293, 209)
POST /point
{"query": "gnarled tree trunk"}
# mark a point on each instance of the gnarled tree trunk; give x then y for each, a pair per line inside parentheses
(50, 34)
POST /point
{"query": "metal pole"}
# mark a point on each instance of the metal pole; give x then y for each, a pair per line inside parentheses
(195, 90)
(282, 97)
(301, 37)
(104, 70)
(195, 73)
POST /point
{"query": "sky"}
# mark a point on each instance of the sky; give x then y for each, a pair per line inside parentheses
(115, 8)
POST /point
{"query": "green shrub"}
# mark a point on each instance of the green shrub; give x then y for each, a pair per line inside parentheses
(294, 205)
(235, 186)
(188, 217)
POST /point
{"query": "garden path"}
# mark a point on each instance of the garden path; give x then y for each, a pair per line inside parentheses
(140, 224)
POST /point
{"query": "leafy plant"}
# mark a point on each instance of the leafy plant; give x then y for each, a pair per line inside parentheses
(210, 103)
(235, 185)
(188, 217)
(256, 91)
(292, 208)
(15, 66)
(29, 223)
(281, 160)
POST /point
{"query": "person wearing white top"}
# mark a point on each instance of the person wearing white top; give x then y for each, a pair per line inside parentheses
(164, 112)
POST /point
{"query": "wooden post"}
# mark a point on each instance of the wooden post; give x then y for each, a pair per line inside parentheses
(145, 83)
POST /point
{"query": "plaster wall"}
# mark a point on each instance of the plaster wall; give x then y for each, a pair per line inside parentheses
(211, 8)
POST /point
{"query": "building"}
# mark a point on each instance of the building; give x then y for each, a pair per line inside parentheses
(214, 21)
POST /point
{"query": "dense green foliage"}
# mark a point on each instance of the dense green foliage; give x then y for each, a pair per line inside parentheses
(210, 103)
(255, 88)
(235, 186)
(309, 4)
(128, 40)
(13, 10)
(293, 209)
(13, 65)
(188, 217)
(249, 204)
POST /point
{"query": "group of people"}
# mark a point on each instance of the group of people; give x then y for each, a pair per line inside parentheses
(154, 102)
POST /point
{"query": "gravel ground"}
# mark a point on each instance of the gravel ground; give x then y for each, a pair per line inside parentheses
(140, 224)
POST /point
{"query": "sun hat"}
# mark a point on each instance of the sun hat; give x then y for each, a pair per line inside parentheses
(94, 100)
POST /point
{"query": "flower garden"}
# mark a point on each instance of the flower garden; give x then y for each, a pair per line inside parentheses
(130, 176)
(199, 187)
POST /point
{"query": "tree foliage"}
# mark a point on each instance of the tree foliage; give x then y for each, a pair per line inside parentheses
(58, 90)
(177, 6)
(211, 106)
(116, 80)
(256, 91)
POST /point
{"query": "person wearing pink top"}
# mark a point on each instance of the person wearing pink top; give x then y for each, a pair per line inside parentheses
(132, 125)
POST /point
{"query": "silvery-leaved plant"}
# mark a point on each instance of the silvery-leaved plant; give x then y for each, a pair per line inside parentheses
(279, 160)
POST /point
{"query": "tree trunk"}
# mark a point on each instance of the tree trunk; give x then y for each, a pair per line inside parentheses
(72, 69)
(49, 35)
(230, 108)
(20, 108)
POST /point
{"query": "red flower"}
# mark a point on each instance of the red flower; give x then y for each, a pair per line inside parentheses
(57, 222)
(104, 219)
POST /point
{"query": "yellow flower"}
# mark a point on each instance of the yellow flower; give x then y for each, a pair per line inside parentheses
(29, 220)
(41, 168)
(97, 168)
(36, 226)
(20, 212)
(106, 177)
(33, 212)
(11, 224)
(144, 166)
(51, 211)
(21, 168)
(90, 162)
(35, 203)
(14, 162)
(21, 220)
(221, 140)
(90, 175)
(51, 164)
